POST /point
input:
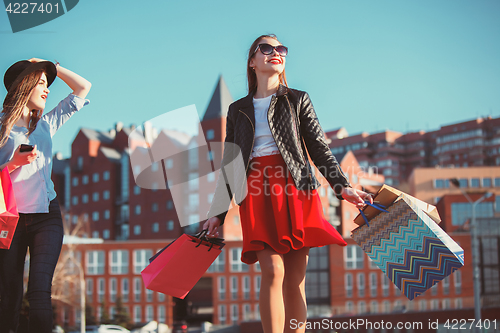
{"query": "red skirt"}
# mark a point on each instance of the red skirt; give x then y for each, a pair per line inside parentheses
(276, 214)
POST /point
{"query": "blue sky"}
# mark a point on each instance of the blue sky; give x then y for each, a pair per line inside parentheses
(368, 65)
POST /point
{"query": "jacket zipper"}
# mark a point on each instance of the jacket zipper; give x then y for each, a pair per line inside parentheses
(251, 149)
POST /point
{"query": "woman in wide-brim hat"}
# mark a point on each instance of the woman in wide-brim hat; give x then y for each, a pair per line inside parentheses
(272, 131)
(40, 225)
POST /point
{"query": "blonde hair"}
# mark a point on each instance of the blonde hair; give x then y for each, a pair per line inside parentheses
(14, 103)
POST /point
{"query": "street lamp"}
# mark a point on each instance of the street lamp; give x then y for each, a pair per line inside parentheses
(475, 251)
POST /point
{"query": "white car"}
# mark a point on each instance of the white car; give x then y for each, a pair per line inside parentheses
(105, 329)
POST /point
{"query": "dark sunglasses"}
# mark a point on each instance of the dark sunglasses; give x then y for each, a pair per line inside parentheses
(268, 49)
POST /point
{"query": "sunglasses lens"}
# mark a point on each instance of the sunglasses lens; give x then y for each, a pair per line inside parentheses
(266, 49)
(282, 50)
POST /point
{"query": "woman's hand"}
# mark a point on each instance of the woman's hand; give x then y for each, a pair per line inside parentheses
(356, 197)
(20, 158)
(78, 84)
(212, 224)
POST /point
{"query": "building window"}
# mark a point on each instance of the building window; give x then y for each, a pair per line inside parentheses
(170, 225)
(112, 289)
(118, 262)
(105, 175)
(105, 195)
(125, 290)
(85, 179)
(458, 303)
(222, 314)
(141, 260)
(386, 306)
(137, 209)
(137, 313)
(434, 304)
(137, 289)
(75, 181)
(211, 177)
(149, 313)
(257, 286)
(497, 182)
(105, 234)
(360, 284)
(234, 313)
(361, 307)
(74, 219)
(156, 227)
(457, 281)
(434, 290)
(161, 297)
(385, 284)
(234, 287)
(79, 162)
(101, 286)
(245, 282)
(446, 285)
(149, 295)
(95, 234)
(463, 182)
(169, 163)
(95, 262)
(107, 214)
(210, 134)
(221, 287)
(349, 307)
(219, 263)
(95, 216)
(486, 182)
(348, 284)
(247, 312)
(161, 314)
(75, 200)
(353, 257)
(373, 284)
(461, 211)
(90, 289)
(373, 307)
(170, 204)
(235, 263)
(422, 305)
(85, 198)
(95, 196)
(474, 182)
(398, 306)
(193, 181)
(137, 190)
(95, 177)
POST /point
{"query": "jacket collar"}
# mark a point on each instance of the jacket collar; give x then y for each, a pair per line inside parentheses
(246, 105)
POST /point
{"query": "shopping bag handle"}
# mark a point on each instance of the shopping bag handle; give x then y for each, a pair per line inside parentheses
(202, 236)
(375, 205)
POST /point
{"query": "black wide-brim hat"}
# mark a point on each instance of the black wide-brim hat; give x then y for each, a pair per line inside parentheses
(17, 72)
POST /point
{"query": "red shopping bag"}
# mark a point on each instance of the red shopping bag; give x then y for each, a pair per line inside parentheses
(178, 266)
(8, 210)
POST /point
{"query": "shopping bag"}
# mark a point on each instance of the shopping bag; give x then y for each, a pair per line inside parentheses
(409, 246)
(178, 266)
(8, 210)
(385, 196)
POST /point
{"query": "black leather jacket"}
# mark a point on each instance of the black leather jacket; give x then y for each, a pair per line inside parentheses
(293, 123)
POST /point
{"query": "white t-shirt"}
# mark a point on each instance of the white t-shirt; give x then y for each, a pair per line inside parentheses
(264, 142)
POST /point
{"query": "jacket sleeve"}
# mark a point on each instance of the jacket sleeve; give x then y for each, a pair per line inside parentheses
(321, 155)
(223, 194)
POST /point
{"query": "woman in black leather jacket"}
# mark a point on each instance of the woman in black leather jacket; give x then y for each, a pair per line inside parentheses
(269, 135)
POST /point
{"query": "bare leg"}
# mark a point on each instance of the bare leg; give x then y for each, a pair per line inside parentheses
(294, 293)
(272, 310)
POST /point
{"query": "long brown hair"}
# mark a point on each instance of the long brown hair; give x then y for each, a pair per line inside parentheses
(14, 103)
(251, 76)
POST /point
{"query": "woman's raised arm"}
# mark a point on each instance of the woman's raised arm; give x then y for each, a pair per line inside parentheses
(78, 84)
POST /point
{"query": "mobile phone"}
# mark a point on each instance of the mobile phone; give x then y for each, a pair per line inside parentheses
(25, 148)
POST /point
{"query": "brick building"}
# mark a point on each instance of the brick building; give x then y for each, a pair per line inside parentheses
(470, 143)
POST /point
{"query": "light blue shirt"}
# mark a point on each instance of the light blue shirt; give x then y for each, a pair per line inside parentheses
(33, 187)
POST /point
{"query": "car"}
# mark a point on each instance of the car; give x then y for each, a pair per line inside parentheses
(104, 329)
(180, 327)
